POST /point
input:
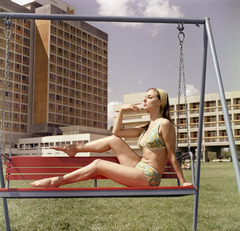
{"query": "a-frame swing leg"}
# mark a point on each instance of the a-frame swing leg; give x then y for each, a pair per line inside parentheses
(224, 105)
(5, 207)
(4, 200)
(200, 128)
(208, 35)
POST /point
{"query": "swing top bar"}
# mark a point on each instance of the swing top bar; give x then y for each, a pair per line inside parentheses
(68, 17)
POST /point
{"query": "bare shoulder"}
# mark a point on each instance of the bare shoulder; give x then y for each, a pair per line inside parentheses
(166, 124)
(167, 130)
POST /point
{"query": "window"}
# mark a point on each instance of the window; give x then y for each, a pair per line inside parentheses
(24, 88)
(53, 38)
(52, 76)
(52, 86)
(25, 78)
(22, 126)
(26, 40)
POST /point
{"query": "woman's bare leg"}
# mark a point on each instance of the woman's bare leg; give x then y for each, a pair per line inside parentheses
(123, 152)
(121, 174)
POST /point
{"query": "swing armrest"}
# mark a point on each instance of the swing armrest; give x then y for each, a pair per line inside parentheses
(6, 157)
(184, 155)
(192, 165)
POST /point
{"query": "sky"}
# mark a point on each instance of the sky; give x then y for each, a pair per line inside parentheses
(141, 56)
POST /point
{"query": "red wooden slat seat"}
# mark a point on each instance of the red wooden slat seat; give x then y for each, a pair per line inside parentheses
(35, 168)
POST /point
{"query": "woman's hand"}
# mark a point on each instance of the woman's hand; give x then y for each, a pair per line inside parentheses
(134, 107)
(118, 129)
(187, 184)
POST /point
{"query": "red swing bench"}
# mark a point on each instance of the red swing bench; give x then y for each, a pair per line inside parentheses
(35, 168)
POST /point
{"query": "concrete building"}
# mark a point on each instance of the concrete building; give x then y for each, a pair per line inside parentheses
(214, 129)
(40, 146)
(58, 72)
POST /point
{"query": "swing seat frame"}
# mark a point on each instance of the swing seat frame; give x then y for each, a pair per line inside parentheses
(99, 192)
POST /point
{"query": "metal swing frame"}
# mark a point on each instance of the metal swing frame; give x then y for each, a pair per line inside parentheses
(207, 37)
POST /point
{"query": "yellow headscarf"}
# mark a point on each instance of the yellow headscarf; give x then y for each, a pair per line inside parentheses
(164, 96)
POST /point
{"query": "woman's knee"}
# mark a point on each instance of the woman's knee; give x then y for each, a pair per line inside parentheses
(116, 139)
(96, 165)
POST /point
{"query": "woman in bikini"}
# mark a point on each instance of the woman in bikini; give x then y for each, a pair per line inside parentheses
(157, 140)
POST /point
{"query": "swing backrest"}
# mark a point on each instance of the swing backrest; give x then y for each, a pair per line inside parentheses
(35, 168)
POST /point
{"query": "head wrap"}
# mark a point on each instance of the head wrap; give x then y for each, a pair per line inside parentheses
(164, 97)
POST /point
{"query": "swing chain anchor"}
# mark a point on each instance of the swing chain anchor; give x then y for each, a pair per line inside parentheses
(181, 34)
(8, 23)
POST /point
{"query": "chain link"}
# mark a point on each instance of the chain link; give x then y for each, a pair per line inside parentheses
(181, 37)
(8, 33)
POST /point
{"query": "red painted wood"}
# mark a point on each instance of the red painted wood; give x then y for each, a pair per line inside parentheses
(169, 176)
(35, 168)
(30, 161)
(39, 170)
(95, 189)
(168, 169)
(38, 177)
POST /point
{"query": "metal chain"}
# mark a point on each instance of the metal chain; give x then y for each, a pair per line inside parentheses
(181, 37)
(8, 33)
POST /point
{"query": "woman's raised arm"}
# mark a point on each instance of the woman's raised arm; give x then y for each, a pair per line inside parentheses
(118, 129)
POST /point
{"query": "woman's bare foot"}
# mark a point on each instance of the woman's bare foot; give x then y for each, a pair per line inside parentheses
(69, 149)
(47, 183)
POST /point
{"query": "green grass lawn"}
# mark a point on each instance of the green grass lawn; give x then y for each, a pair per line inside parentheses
(219, 208)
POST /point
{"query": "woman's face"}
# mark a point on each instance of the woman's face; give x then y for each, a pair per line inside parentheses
(151, 100)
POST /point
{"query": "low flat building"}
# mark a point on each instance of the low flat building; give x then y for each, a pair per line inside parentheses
(40, 146)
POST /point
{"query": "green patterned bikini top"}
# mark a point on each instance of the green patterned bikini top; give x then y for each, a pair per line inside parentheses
(153, 140)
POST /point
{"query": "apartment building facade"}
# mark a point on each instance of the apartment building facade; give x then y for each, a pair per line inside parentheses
(58, 72)
(214, 129)
(70, 75)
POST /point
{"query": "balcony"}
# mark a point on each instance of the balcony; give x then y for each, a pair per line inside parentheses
(223, 139)
(210, 109)
(210, 139)
(135, 116)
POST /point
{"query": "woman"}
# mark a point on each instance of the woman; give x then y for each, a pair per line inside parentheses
(157, 140)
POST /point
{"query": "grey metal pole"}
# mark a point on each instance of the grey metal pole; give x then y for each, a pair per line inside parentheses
(200, 128)
(4, 200)
(69, 17)
(224, 105)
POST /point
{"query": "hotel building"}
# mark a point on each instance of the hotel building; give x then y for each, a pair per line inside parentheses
(214, 129)
(58, 72)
